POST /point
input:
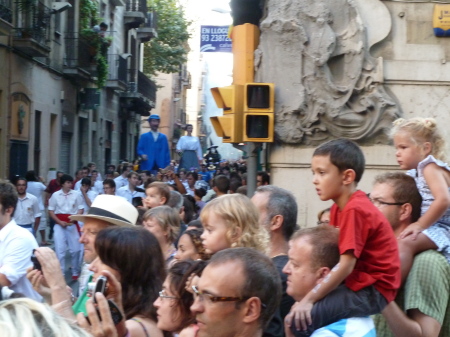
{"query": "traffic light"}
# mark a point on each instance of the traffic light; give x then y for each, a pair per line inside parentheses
(229, 126)
(259, 108)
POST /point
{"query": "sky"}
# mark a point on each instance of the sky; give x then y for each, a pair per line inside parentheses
(218, 66)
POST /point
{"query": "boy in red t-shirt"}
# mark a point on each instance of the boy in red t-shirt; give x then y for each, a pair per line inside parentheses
(369, 262)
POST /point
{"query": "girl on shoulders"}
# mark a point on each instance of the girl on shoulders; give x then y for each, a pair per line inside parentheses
(420, 148)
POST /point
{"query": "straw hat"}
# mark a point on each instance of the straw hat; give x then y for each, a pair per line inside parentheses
(110, 208)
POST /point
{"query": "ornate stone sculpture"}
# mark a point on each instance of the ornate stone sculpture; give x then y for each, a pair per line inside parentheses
(328, 85)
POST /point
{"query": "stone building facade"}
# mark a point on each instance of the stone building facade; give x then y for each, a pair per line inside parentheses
(347, 68)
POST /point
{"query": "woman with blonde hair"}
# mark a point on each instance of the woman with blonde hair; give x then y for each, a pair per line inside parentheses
(24, 317)
(232, 221)
(164, 223)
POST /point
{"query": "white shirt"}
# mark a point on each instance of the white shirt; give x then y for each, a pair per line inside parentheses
(91, 194)
(348, 327)
(120, 182)
(98, 187)
(125, 192)
(190, 143)
(68, 203)
(27, 209)
(37, 188)
(16, 246)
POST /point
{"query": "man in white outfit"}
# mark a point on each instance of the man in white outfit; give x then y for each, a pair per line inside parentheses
(27, 213)
(16, 246)
(62, 204)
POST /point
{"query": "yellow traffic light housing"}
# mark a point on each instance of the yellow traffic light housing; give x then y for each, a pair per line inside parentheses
(229, 126)
(259, 108)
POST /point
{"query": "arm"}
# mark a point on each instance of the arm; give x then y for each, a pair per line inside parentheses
(337, 275)
(53, 216)
(51, 270)
(141, 147)
(80, 204)
(4, 282)
(37, 222)
(179, 144)
(37, 215)
(434, 176)
(416, 325)
(85, 196)
(178, 182)
(199, 151)
(16, 260)
(166, 152)
(46, 198)
(301, 311)
(105, 327)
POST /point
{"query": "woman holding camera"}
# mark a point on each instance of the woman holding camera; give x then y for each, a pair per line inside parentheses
(134, 257)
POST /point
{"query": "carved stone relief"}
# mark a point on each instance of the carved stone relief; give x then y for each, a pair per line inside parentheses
(328, 85)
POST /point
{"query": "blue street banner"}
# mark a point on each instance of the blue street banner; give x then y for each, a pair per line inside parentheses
(215, 39)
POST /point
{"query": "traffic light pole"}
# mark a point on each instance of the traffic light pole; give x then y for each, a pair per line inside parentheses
(245, 41)
(252, 163)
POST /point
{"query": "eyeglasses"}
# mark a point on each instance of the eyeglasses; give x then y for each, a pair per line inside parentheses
(201, 296)
(377, 202)
(326, 222)
(162, 294)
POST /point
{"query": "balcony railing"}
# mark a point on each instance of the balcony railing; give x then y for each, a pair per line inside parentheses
(146, 87)
(136, 6)
(34, 21)
(79, 53)
(117, 70)
(142, 89)
(6, 10)
(147, 31)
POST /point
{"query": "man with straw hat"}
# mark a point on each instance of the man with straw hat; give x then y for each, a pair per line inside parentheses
(106, 210)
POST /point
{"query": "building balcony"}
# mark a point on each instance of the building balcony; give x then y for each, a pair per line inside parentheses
(118, 2)
(135, 13)
(148, 30)
(141, 94)
(6, 17)
(32, 32)
(117, 72)
(79, 60)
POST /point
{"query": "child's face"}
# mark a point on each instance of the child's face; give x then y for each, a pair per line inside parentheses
(155, 228)
(408, 153)
(153, 198)
(327, 179)
(214, 237)
(186, 249)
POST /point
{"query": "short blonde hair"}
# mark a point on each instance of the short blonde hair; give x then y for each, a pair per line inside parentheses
(167, 218)
(23, 317)
(422, 130)
(239, 212)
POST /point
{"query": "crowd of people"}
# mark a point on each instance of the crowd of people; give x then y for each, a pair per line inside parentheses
(165, 251)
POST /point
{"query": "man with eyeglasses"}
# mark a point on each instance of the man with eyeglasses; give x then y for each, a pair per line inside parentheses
(237, 294)
(425, 297)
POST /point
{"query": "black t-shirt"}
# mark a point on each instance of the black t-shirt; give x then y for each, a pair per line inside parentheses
(276, 326)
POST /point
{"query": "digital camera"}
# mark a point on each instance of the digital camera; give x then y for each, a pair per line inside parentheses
(36, 264)
(98, 286)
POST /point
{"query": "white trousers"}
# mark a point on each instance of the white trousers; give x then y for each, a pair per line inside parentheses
(68, 237)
